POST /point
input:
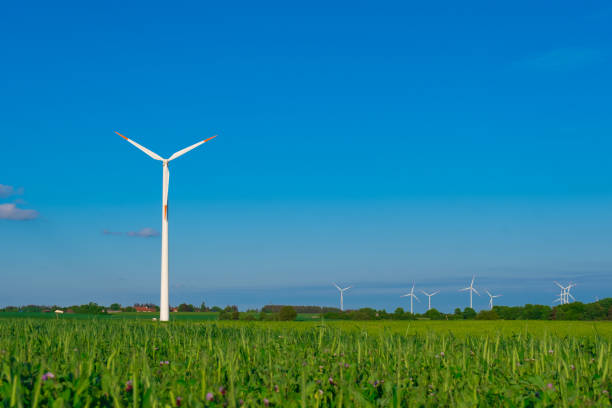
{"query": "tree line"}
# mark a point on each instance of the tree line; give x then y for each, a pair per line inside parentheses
(600, 310)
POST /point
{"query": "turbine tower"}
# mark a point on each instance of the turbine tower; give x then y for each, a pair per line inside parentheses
(491, 297)
(429, 295)
(164, 311)
(471, 289)
(412, 296)
(342, 295)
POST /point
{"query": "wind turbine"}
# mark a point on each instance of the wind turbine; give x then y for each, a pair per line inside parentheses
(429, 295)
(412, 296)
(561, 298)
(164, 311)
(565, 292)
(342, 295)
(491, 297)
(471, 289)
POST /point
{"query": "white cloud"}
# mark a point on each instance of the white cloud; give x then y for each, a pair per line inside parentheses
(11, 212)
(144, 233)
(7, 191)
(107, 232)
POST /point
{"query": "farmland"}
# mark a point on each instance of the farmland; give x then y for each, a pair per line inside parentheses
(132, 362)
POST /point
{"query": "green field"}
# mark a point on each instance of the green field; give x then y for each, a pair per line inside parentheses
(135, 315)
(114, 362)
(122, 315)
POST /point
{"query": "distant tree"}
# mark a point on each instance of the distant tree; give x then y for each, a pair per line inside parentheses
(458, 312)
(487, 315)
(433, 314)
(203, 307)
(365, 313)
(235, 315)
(216, 309)
(469, 313)
(533, 312)
(223, 315)
(31, 308)
(129, 309)
(287, 313)
(383, 315)
(115, 306)
(233, 308)
(184, 307)
(90, 308)
(249, 317)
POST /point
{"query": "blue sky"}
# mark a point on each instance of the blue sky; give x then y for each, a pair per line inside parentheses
(365, 143)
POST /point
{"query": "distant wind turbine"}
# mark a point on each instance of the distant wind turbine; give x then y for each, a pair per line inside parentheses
(565, 293)
(342, 295)
(429, 295)
(568, 294)
(561, 298)
(164, 312)
(471, 289)
(412, 296)
(491, 297)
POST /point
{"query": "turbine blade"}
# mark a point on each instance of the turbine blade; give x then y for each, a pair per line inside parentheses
(347, 288)
(461, 290)
(475, 291)
(488, 293)
(559, 285)
(570, 295)
(425, 293)
(144, 149)
(435, 293)
(185, 150)
(415, 296)
(337, 287)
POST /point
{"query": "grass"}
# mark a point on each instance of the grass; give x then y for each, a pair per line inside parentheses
(122, 315)
(122, 362)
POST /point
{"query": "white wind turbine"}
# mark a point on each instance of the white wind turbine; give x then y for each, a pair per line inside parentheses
(491, 297)
(342, 295)
(561, 298)
(568, 294)
(471, 289)
(429, 295)
(164, 311)
(412, 296)
(565, 293)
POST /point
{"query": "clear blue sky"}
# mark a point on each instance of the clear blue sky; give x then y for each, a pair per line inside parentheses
(366, 143)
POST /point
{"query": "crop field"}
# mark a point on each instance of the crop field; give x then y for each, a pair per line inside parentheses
(133, 363)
